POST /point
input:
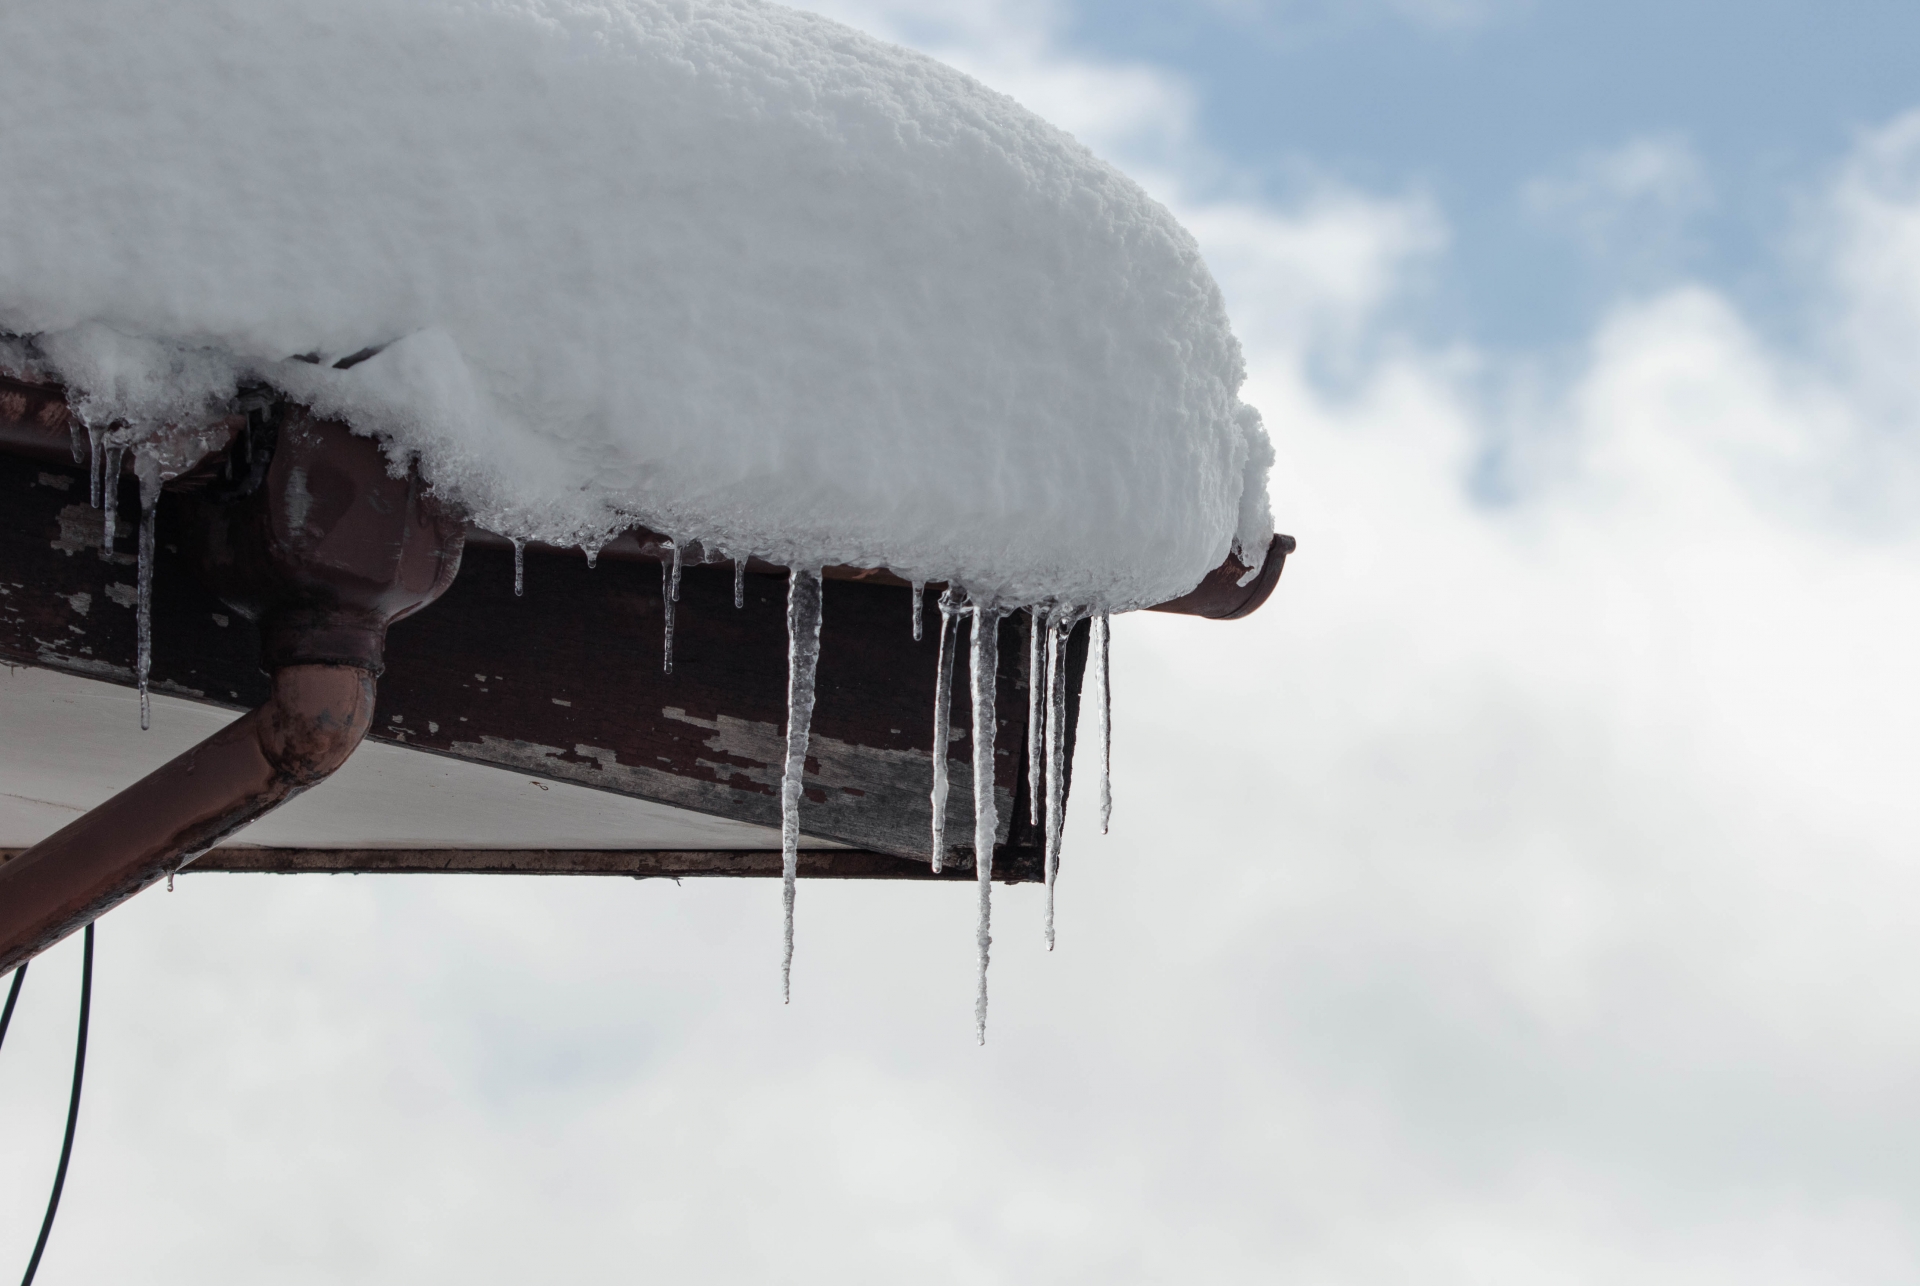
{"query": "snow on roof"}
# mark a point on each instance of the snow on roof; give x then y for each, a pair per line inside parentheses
(733, 271)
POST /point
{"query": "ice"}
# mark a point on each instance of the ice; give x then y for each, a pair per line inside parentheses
(143, 610)
(739, 583)
(519, 567)
(95, 461)
(1036, 718)
(861, 276)
(803, 659)
(110, 492)
(1103, 703)
(1059, 630)
(919, 604)
(669, 595)
(984, 675)
(943, 723)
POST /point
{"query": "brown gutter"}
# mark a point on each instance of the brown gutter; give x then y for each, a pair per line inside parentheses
(320, 546)
(315, 718)
(1221, 597)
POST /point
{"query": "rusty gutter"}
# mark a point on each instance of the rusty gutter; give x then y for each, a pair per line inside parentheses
(324, 550)
(314, 720)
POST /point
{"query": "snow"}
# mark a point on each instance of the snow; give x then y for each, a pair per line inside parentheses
(728, 270)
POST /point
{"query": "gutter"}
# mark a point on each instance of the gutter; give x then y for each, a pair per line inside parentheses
(324, 550)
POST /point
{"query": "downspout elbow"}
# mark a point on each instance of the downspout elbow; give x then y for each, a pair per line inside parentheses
(315, 718)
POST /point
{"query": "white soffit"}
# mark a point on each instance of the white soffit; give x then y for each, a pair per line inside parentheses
(67, 744)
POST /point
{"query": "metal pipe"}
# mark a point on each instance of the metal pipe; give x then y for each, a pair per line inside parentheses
(307, 728)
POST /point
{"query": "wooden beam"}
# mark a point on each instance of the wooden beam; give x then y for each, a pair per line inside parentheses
(565, 681)
(639, 864)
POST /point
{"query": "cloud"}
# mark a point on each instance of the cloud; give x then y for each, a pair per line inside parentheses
(1524, 895)
(1434, 15)
(1632, 202)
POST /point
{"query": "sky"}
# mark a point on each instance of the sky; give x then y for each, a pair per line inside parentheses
(1525, 895)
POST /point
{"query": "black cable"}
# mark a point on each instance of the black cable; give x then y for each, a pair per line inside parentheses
(73, 1107)
(13, 997)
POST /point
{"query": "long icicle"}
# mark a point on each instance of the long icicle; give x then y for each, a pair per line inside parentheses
(1036, 716)
(669, 595)
(519, 566)
(986, 818)
(1103, 693)
(110, 494)
(739, 583)
(919, 604)
(942, 727)
(803, 659)
(1059, 626)
(143, 610)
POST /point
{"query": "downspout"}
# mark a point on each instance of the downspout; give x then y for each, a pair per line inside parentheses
(324, 550)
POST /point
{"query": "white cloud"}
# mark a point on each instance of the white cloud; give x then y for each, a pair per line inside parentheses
(1524, 896)
(1437, 15)
(1634, 200)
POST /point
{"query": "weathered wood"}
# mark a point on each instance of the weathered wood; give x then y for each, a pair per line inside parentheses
(566, 681)
(818, 864)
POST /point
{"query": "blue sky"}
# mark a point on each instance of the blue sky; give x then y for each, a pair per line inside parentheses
(1471, 102)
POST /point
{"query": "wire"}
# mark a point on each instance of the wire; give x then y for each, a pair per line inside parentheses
(13, 997)
(73, 1105)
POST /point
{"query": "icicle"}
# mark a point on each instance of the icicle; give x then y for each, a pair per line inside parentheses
(110, 493)
(803, 658)
(593, 557)
(1059, 626)
(95, 461)
(942, 726)
(143, 613)
(739, 583)
(986, 820)
(1103, 694)
(669, 595)
(1036, 717)
(519, 566)
(919, 606)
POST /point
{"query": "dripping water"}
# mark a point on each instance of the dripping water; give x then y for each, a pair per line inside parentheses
(919, 604)
(942, 725)
(1059, 626)
(519, 567)
(143, 613)
(739, 583)
(986, 821)
(803, 659)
